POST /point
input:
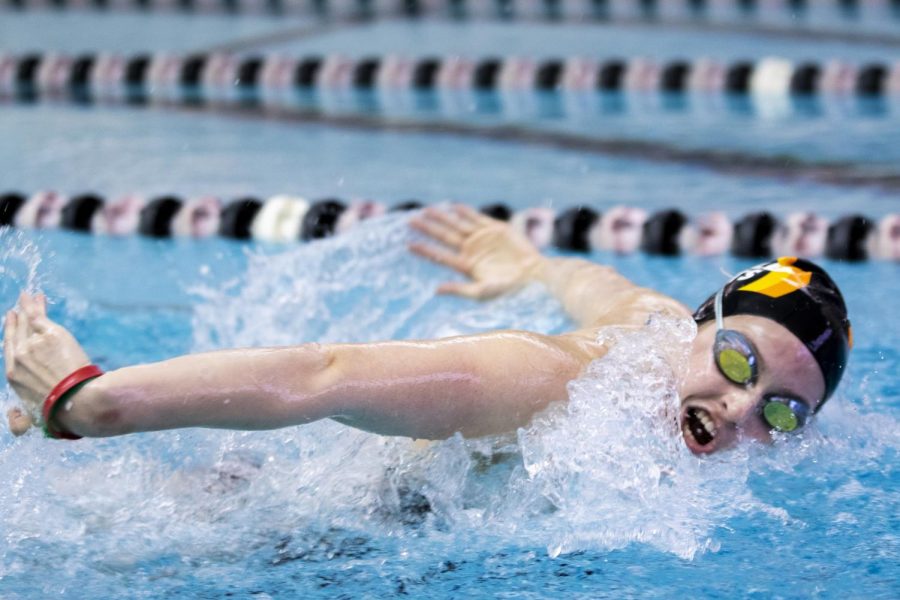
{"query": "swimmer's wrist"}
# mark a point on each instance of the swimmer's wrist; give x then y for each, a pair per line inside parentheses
(81, 413)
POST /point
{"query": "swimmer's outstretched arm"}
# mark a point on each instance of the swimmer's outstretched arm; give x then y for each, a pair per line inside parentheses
(476, 385)
(497, 259)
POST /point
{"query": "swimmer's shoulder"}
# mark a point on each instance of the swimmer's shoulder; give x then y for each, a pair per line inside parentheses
(633, 313)
(637, 305)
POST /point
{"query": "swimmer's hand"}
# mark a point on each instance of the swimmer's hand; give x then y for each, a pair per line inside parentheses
(38, 354)
(492, 254)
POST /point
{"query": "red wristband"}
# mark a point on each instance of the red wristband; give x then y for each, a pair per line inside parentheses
(60, 391)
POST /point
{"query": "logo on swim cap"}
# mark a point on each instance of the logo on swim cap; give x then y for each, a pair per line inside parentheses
(782, 279)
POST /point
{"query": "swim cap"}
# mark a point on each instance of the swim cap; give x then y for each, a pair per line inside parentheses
(800, 296)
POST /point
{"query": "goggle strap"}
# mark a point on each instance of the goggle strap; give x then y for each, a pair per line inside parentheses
(720, 319)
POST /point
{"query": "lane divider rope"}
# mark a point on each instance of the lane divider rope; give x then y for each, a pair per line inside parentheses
(789, 11)
(619, 229)
(494, 83)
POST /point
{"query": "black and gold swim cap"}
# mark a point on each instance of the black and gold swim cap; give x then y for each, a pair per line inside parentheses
(800, 296)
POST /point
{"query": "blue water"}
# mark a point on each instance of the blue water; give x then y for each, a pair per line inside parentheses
(76, 150)
(79, 31)
(586, 502)
(542, 40)
(305, 511)
(829, 129)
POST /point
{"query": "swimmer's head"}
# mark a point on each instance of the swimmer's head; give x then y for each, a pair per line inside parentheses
(775, 355)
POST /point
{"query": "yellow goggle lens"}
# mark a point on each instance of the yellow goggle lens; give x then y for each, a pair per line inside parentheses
(734, 365)
(780, 416)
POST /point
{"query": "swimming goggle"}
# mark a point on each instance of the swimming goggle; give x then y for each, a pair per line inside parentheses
(736, 359)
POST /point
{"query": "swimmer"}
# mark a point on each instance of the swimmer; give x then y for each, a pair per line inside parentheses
(771, 348)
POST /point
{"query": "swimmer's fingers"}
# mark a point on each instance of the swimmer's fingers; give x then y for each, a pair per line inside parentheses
(451, 220)
(19, 421)
(23, 330)
(437, 231)
(472, 216)
(440, 256)
(41, 304)
(36, 311)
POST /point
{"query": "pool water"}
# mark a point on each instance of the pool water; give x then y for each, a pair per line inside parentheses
(595, 498)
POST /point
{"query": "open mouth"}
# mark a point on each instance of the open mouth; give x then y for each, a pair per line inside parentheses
(699, 425)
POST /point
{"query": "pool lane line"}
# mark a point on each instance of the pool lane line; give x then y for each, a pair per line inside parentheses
(294, 34)
(728, 162)
(287, 219)
(640, 25)
(291, 80)
(499, 10)
(273, 81)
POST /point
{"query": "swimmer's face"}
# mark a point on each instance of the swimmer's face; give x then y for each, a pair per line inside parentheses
(731, 412)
